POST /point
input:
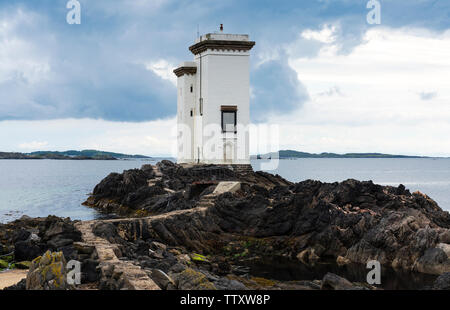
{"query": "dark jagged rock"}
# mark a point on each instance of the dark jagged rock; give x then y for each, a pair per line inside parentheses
(28, 238)
(335, 282)
(352, 220)
(442, 282)
(166, 187)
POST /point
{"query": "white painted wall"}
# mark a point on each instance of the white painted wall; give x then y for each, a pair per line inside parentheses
(186, 103)
(225, 80)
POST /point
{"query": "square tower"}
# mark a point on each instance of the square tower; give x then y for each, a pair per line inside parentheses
(214, 101)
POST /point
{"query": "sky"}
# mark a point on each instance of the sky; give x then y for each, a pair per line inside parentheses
(325, 78)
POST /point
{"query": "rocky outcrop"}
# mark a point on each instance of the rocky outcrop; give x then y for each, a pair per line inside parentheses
(166, 187)
(352, 220)
(28, 238)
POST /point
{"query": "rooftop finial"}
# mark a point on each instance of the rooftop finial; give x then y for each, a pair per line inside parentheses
(221, 27)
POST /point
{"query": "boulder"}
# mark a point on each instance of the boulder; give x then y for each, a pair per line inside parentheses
(161, 278)
(47, 272)
(190, 279)
(27, 250)
(332, 281)
(434, 261)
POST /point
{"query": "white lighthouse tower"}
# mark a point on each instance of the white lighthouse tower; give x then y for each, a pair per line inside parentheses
(214, 101)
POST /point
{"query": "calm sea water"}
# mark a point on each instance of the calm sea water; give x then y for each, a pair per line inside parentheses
(43, 187)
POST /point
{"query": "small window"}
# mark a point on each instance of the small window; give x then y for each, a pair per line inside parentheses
(192, 113)
(192, 89)
(229, 121)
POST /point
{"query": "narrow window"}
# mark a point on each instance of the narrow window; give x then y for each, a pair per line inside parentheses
(229, 118)
(192, 89)
(192, 113)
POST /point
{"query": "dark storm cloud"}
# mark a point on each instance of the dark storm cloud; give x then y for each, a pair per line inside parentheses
(97, 69)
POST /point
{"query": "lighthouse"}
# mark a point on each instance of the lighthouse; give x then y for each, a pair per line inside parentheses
(213, 101)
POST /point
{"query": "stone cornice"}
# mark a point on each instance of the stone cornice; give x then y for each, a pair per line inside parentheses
(203, 46)
(185, 70)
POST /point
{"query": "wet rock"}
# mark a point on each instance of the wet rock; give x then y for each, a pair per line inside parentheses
(442, 282)
(434, 261)
(334, 282)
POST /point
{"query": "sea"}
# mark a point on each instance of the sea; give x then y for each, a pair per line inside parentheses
(39, 188)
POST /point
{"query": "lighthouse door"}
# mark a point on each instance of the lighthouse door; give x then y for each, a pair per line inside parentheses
(228, 152)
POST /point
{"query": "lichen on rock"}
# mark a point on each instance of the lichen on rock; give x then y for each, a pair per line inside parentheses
(48, 272)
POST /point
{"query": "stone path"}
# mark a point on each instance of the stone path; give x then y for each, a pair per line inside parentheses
(109, 253)
(135, 277)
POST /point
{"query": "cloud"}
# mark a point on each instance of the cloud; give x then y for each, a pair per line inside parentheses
(425, 96)
(275, 90)
(163, 69)
(331, 92)
(52, 74)
(115, 67)
(326, 35)
(382, 111)
(33, 145)
(154, 138)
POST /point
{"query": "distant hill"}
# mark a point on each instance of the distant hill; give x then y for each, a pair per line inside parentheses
(286, 154)
(71, 155)
(89, 153)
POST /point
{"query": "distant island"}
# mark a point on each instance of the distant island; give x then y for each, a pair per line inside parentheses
(70, 155)
(288, 154)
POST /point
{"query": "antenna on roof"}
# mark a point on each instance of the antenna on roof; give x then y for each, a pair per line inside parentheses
(198, 30)
(221, 27)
